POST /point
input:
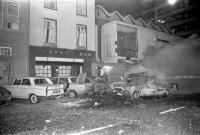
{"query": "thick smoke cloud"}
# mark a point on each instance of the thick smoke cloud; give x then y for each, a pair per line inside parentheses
(180, 58)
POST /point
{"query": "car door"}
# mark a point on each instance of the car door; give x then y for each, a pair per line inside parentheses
(15, 88)
(26, 88)
(148, 90)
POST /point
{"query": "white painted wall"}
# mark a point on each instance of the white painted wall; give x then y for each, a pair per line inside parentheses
(66, 23)
(145, 38)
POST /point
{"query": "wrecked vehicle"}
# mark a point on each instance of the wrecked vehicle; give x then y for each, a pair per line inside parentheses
(81, 87)
(65, 81)
(138, 86)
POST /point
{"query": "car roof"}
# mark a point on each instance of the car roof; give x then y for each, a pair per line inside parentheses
(31, 77)
(66, 77)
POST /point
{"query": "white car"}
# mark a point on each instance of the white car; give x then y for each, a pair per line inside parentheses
(81, 87)
(34, 88)
(65, 81)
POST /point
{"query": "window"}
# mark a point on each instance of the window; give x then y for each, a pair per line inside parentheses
(43, 70)
(50, 27)
(73, 80)
(26, 82)
(64, 71)
(54, 80)
(81, 36)
(17, 82)
(63, 81)
(6, 51)
(51, 4)
(13, 15)
(40, 81)
(81, 7)
(1, 13)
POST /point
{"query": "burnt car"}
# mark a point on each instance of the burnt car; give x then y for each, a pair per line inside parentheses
(82, 86)
(5, 95)
(138, 86)
(65, 81)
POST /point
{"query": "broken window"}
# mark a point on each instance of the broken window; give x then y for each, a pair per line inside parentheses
(81, 7)
(1, 13)
(81, 36)
(51, 4)
(50, 31)
(13, 15)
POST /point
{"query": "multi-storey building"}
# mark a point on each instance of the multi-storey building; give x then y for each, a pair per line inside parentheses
(47, 37)
(14, 37)
(122, 41)
(182, 17)
(62, 37)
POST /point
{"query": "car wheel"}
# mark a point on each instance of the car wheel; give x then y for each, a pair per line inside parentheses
(72, 94)
(167, 93)
(136, 95)
(34, 99)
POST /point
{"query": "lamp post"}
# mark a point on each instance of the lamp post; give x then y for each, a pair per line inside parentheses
(170, 2)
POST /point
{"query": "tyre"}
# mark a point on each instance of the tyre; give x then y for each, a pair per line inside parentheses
(34, 99)
(167, 93)
(136, 95)
(72, 94)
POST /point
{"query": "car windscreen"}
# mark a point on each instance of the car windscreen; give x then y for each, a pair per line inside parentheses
(41, 81)
(73, 80)
(115, 79)
(54, 80)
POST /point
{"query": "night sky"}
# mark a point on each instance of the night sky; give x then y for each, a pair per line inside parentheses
(125, 7)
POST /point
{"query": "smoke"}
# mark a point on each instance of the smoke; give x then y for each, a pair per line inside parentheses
(180, 58)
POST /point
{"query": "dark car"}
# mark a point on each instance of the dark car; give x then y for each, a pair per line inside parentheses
(5, 95)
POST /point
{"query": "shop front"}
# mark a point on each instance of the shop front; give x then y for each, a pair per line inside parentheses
(5, 65)
(52, 62)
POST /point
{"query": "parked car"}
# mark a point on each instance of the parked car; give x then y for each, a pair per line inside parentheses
(140, 87)
(82, 86)
(5, 95)
(65, 81)
(34, 88)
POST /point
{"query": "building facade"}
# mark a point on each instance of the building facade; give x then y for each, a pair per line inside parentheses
(123, 40)
(46, 38)
(14, 26)
(62, 37)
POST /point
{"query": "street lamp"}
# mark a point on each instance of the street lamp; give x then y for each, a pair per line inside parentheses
(170, 2)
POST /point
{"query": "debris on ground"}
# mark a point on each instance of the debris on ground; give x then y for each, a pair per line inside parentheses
(172, 110)
(121, 131)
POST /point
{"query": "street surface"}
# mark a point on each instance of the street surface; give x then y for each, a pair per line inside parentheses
(174, 115)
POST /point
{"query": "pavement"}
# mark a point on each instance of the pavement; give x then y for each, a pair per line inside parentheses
(174, 115)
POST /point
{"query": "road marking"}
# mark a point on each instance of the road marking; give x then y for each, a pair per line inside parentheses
(171, 110)
(92, 130)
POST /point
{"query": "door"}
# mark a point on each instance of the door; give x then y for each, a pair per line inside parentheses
(25, 88)
(5, 73)
(15, 88)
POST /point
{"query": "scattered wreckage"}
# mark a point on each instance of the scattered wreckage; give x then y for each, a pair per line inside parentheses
(130, 87)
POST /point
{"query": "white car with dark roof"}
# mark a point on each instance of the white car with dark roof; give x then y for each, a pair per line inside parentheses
(34, 88)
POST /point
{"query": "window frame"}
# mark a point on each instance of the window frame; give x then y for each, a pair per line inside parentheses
(12, 16)
(22, 82)
(7, 51)
(1, 11)
(14, 83)
(44, 40)
(85, 9)
(77, 44)
(56, 5)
